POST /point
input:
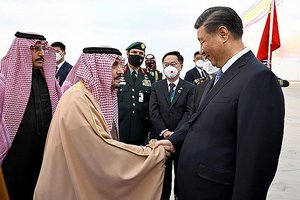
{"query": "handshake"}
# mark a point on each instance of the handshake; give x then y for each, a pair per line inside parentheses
(169, 148)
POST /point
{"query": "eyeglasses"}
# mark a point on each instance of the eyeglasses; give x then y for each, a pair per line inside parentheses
(171, 63)
(38, 48)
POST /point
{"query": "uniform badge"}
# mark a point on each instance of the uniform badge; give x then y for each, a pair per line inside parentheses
(146, 81)
(122, 80)
(141, 97)
(199, 80)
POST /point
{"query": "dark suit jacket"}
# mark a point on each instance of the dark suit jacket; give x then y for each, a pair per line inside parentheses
(232, 144)
(198, 92)
(133, 102)
(193, 74)
(166, 115)
(63, 72)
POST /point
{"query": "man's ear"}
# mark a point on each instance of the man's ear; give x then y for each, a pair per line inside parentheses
(223, 33)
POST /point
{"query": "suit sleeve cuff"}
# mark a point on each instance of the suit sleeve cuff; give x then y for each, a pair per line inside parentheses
(162, 132)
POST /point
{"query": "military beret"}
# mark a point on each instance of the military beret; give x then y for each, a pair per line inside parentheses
(137, 45)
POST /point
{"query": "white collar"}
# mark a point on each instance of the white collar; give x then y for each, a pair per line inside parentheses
(234, 58)
(199, 70)
(175, 82)
(131, 70)
(59, 65)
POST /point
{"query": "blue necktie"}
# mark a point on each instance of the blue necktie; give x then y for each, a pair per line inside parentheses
(172, 92)
(218, 76)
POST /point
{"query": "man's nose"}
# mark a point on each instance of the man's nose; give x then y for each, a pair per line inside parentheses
(41, 53)
(120, 70)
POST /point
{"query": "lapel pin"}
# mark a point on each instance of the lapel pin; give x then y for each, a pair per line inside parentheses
(181, 88)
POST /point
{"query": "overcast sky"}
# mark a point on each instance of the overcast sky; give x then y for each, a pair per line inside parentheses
(163, 25)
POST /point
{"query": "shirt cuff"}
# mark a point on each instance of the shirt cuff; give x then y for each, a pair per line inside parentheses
(162, 132)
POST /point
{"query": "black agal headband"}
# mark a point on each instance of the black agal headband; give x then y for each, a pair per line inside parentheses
(30, 36)
(107, 50)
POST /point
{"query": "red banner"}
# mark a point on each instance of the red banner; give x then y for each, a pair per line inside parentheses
(262, 53)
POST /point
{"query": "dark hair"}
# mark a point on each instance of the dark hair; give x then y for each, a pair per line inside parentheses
(196, 53)
(175, 53)
(214, 17)
(60, 45)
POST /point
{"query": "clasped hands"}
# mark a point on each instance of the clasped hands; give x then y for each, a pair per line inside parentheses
(169, 148)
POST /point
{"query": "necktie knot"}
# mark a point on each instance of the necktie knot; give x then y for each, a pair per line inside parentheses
(133, 76)
(218, 76)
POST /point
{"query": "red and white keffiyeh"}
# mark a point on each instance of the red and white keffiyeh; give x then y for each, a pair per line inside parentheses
(5, 142)
(95, 69)
(16, 67)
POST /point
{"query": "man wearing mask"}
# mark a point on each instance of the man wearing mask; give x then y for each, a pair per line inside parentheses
(133, 98)
(170, 105)
(199, 89)
(150, 63)
(196, 75)
(63, 67)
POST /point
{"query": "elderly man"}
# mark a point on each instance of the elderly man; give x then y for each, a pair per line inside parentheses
(231, 145)
(30, 97)
(82, 160)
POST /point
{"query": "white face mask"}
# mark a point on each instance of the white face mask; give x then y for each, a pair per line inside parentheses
(170, 71)
(57, 56)
(209, 68)
(199, 64)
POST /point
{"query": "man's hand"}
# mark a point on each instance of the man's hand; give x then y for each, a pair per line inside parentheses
(167, 145)
(167, 134)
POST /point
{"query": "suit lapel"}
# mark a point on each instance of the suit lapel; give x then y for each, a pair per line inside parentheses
(198, 75)
(140, 77)
(165, 90)
(178, 91)
(60, 70)
(206, 90)
(128, 78)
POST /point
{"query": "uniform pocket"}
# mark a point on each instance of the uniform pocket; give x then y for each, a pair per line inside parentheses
(123, 94)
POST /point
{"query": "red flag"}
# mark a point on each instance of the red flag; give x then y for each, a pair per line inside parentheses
(262, 53)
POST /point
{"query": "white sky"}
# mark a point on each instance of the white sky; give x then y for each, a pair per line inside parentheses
(163, 25)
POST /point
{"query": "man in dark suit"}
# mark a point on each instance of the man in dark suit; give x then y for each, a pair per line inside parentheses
(196, 75)
(169, 107)
(63, 67)
(199, 89)
(133, 98)
(231, 145)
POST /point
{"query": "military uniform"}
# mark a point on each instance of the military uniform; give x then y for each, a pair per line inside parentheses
(133, 99)
(154, 76)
